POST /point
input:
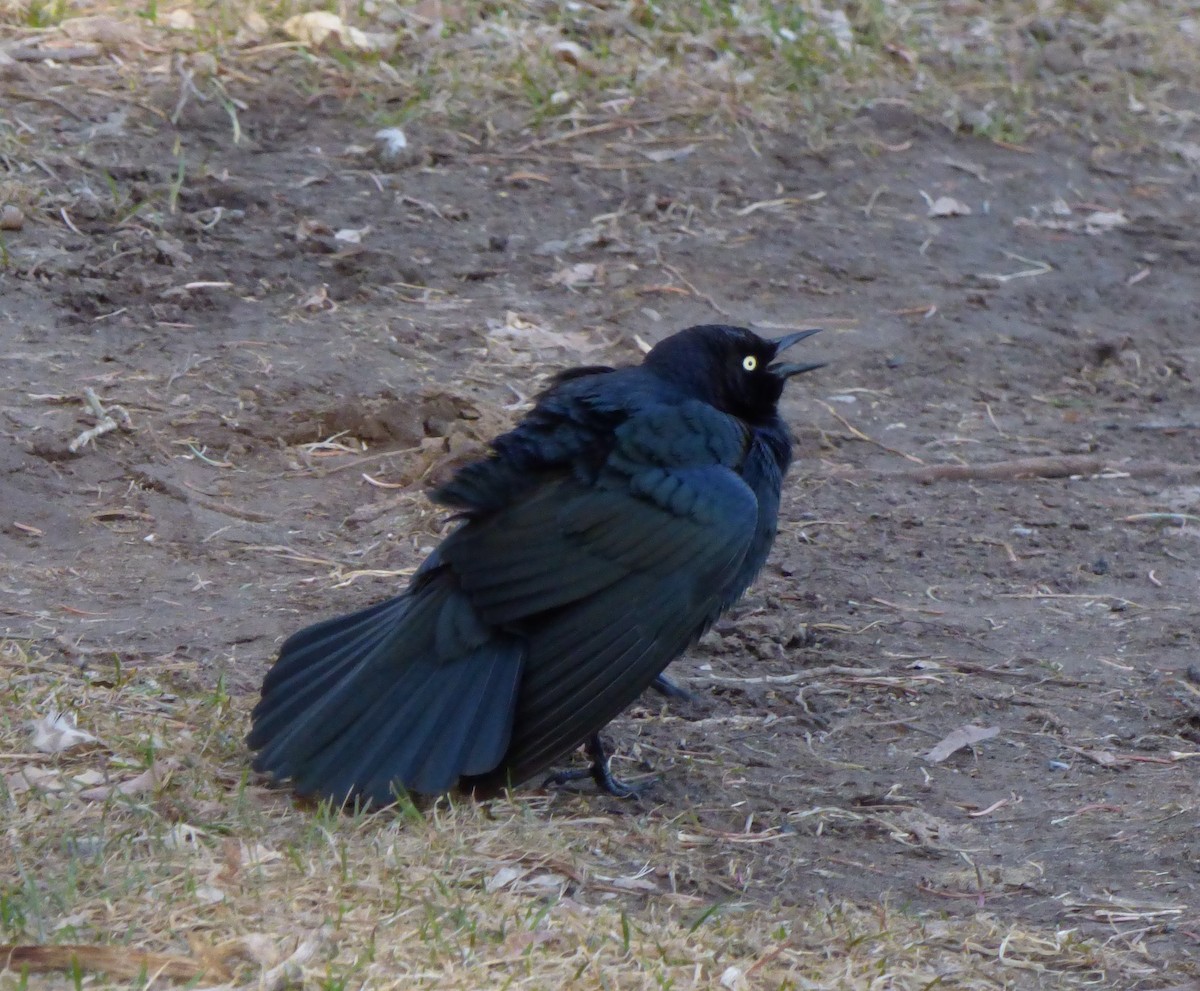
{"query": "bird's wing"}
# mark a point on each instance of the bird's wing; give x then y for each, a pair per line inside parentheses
(608, 581)
(669, 498)
(570, 429)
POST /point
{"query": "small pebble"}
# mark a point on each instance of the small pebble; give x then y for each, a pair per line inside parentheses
(1058, 765)
(978, 121)
(11, 218)
(391, 140)
(393, 149)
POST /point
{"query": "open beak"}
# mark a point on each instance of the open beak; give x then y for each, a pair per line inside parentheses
(786, 370)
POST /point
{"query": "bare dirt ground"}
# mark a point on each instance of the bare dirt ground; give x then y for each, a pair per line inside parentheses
(289, 290)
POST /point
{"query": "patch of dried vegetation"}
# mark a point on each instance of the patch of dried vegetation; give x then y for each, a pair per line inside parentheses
(517, 79)
(136, 846)
(1005, 69)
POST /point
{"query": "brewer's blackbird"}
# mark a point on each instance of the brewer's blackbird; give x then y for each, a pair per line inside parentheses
(597, 540)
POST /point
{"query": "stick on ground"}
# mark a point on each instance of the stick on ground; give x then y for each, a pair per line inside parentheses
(1053, 466)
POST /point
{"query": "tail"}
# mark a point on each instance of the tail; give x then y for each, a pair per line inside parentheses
(409, 694)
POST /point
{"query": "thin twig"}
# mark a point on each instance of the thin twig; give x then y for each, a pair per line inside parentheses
(1054, 466)
(859, 435)
(696, 292)
(1039, 268)
(608, 125)
(117, 417)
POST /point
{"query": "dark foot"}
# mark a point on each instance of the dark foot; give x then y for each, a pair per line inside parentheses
(600, 772)
(665, 686)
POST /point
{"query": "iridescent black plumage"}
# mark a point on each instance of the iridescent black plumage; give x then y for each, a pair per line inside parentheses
(600, 538)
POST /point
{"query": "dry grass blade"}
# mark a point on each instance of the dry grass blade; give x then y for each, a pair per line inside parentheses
(461, 895)
(859, 435)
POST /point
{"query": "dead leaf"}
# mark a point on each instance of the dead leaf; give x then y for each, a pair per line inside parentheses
(583, 273)
(314, 27)
(1102, 221)
(964, 736)
(732, 979)
(318, 300)
(1105, 758)
(317, 27)
(254, 28)
(573, 54)
(108, 32)
(179, 19)
(307, 228)
(502, 879)
(56, 732)
(289, 972)
(352, 235)
(254, 948)
(183, 836)
(523, 335)
(946, 206)
(37, 778)
(172, 251)
(148, 780)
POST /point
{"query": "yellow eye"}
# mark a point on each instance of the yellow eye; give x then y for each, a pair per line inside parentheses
(749, 362)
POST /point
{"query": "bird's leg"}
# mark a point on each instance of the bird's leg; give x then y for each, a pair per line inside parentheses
(665, 686)
(600, 772)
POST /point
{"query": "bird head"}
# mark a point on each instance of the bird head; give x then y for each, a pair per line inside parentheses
(731, 368)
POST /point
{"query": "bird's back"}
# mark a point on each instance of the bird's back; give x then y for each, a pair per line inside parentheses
(615, 560)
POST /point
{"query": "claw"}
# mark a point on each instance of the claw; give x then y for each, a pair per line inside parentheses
(600, 771)
(665, 686)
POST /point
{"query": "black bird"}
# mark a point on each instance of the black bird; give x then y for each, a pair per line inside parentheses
(598, 540)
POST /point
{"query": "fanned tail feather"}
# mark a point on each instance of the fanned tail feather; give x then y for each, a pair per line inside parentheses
(409, 694)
